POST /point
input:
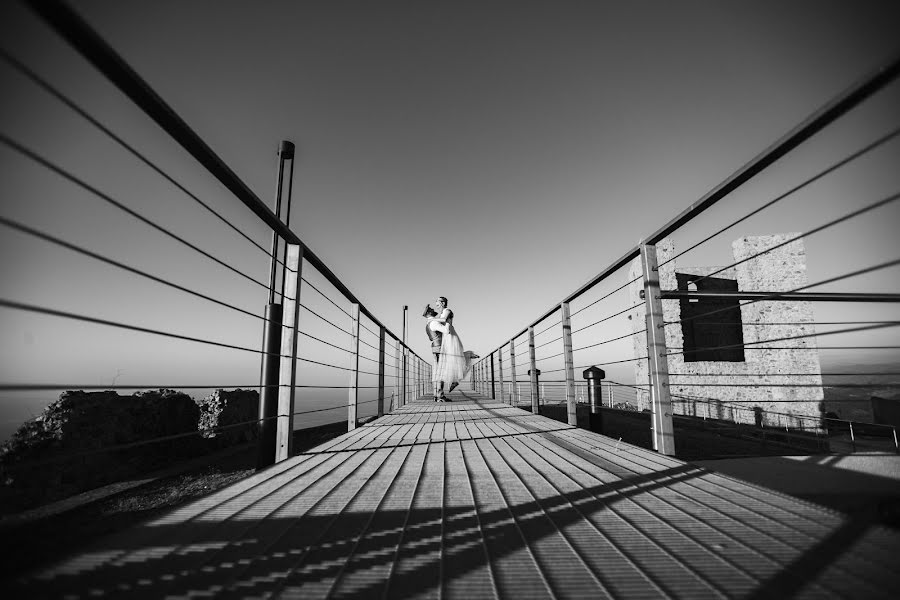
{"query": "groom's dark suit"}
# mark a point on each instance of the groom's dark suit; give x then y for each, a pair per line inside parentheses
(436, 337)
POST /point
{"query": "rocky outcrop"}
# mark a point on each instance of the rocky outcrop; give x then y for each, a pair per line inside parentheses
(229, 417)
(89, 439)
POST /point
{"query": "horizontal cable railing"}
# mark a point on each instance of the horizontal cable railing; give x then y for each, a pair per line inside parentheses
(170, 274)
(769, 303)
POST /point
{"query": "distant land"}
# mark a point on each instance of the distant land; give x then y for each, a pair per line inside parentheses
(849, 403)
(854, 404)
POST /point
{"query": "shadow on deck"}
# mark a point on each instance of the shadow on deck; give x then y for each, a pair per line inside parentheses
(476, 499)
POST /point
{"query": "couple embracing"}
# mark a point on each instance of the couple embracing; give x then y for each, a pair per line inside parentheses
(451, 362)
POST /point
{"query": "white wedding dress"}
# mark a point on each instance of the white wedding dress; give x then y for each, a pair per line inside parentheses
(454, 361)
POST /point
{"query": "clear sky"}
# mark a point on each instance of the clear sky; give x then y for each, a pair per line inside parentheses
(497, 153)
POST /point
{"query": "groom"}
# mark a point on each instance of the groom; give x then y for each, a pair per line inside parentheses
(435, 337)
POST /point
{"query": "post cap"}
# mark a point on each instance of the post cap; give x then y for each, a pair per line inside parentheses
(593, 373)
(536, 371)
(286, 150)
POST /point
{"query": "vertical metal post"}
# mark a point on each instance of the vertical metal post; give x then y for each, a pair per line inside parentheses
(397, 380)
(268, 397)
(660, 399)
(535, 409)
(287, 376)
(405, 359)
(483, 382)
(478, 377)
(353, 393)
(571, 410)
(514, 387)
(269, 369)
(493, 380)
(285, 153)
(500, 367)
(380, 371)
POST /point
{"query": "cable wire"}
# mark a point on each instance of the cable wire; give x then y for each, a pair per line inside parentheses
(547, 343)
(83, 251)
(864, 150)
(58, 313)
(611, 340)
(782, 339)
(321, 293)
(30, 387)
(848, 216)
(618, 289)
(315, 314)
(324, 364)
(35, 78)
(324, 342)
(548, 328)
(10, 143)
(778, 295)
(608, 318)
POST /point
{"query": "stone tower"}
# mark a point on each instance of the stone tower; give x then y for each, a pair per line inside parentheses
(719, 368)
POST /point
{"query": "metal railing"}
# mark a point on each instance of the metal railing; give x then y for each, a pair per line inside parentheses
(788, 334)
(195, 305)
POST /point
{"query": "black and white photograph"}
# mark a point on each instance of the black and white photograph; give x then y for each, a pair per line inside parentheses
(500, 299)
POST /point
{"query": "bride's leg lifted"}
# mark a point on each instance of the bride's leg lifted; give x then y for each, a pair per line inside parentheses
(452, 386)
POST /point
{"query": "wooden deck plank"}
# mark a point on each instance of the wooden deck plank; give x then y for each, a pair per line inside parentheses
(476, 499)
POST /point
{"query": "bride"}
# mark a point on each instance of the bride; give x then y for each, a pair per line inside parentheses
(453, 362)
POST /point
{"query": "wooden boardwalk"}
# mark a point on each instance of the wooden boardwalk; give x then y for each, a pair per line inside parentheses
(475, 499)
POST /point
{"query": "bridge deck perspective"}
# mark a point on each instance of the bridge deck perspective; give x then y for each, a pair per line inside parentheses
(477, 499)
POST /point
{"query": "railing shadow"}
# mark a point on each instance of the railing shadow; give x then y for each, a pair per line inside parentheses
(387, 553)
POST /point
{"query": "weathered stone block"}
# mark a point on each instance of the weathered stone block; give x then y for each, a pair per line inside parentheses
(779, 381)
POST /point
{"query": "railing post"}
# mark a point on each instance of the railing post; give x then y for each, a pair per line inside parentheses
(660, 399)
(482, 383)
(268, 393)
(397, 380)
(405, 359)
(268, 396)
(535, 409)
(380, 371)
(481, 386)
(287, 375)
(571, 410)
(493, 380)
(513, 386)
(500, 371)
(353, 393)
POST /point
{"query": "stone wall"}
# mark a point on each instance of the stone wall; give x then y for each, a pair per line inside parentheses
(732, 390)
